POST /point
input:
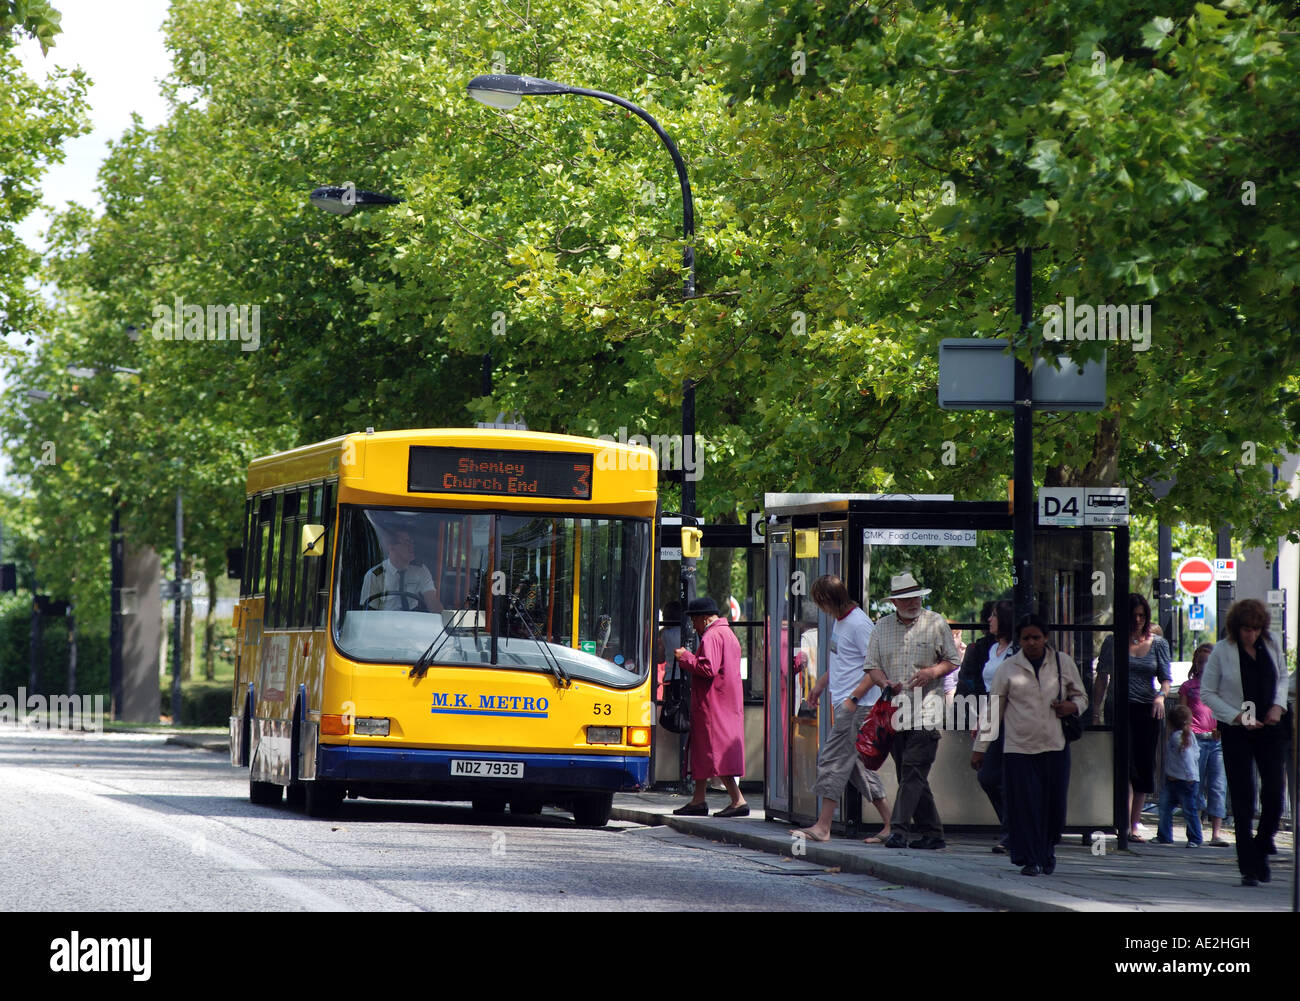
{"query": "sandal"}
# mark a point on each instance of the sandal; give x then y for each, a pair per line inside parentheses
(875, 839)
(1137, 838)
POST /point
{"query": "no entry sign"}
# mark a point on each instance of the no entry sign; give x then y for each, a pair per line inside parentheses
(1195, 576)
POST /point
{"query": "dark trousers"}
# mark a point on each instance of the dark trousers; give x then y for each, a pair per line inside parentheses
(914, 810)
(1037, 787)
(1263, 749)
(990, 777)
(1144, 735)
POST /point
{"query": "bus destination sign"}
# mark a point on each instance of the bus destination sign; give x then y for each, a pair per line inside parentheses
(441, 470)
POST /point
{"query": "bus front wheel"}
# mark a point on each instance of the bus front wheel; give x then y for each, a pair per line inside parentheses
(322, 799)
(593, 811)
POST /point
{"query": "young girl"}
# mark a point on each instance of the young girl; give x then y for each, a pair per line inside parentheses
(1182, 779)
(1205, 728)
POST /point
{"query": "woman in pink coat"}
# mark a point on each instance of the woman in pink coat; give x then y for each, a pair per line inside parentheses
(717, 741)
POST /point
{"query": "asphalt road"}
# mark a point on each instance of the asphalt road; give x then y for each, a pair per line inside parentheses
(125, 822)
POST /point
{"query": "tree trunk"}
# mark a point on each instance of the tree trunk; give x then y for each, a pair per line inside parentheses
(1102, 467)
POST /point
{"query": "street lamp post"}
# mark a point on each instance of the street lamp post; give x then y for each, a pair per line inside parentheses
(505, 91)
(177, 611)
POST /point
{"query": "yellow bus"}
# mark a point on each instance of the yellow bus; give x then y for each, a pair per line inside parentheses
(450, 614)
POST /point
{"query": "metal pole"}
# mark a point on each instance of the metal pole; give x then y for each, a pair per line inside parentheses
(1122, 749)
(72, 649)
(1164, 581)
(1023, 511)
(176, 612)
(1225, 588)
(34, 644)
(116, 578)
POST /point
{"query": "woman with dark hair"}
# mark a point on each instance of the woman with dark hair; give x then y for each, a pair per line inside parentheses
(1245, 686)
(1214, 787)
(982, 660)
(1148, 663)
(1030, 694)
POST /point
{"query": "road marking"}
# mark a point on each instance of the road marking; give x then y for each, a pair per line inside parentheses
(36, 780)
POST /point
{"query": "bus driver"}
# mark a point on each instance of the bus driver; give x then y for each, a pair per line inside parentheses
(397, 584)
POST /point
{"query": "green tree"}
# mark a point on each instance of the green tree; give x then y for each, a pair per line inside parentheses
(1145, 159)
(863, 176)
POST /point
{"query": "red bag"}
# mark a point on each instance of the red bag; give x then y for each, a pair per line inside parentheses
(877, 733)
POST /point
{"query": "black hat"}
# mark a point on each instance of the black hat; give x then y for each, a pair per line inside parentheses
(702, 606)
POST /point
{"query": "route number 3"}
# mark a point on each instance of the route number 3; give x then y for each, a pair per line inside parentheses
(602, 709)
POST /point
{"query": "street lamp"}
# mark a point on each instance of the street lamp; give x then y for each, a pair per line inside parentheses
(504, 91)
(342, 199)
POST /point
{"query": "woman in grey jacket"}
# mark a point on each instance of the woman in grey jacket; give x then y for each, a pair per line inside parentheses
(1244, 684)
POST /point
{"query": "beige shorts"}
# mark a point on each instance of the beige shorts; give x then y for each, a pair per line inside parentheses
(838, 763)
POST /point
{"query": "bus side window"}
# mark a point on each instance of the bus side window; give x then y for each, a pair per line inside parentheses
(265, 521)
(325, 515)
(250, 531)
(275, 566)
(290, 559)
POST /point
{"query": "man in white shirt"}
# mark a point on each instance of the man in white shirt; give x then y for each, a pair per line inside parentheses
(397, 584)
(838, 761)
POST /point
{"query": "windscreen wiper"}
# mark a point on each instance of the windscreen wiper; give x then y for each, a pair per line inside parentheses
(421, 667)
(515, 606)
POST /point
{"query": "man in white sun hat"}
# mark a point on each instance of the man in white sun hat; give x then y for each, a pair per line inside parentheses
(911, 648)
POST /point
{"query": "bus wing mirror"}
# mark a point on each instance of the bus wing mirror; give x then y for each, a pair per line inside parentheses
(235, 563)
(313, 540)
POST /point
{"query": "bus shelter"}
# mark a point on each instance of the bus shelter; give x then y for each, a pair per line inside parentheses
(962, 550)
(731, 571)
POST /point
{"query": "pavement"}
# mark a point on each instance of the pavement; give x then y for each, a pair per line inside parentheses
(1145, 877)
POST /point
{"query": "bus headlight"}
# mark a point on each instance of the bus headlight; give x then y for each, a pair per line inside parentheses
(604, 735)
(638, 736)
(371, 726)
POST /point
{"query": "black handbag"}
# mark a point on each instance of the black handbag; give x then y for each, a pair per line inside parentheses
(675, 713)
(1072, 725)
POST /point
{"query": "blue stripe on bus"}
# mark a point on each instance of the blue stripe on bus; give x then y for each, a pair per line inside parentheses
(486, 712)
(596, 772)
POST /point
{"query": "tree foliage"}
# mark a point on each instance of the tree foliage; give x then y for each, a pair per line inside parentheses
(863, 175)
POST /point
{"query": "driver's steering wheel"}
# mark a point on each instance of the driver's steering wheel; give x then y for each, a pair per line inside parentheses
(404, 595)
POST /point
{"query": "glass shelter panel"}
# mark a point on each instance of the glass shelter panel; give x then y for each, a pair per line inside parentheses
(807, 637)
(780, 703)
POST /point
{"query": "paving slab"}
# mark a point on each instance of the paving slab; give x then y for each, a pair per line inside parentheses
(1145, 877)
